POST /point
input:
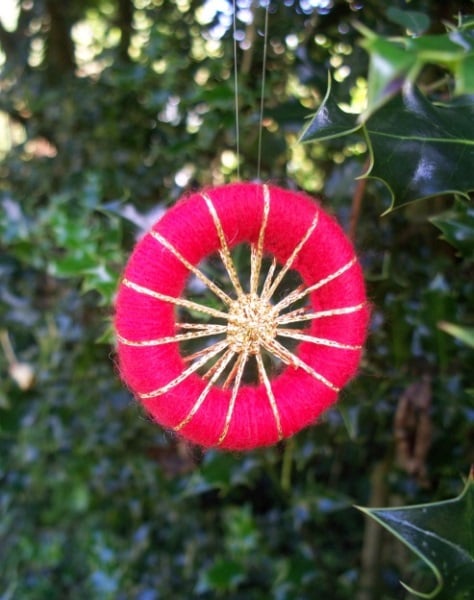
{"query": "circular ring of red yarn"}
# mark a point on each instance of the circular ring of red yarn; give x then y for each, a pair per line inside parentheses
(300, 398)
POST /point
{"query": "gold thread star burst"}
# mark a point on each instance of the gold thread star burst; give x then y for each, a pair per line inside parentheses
(252, 322)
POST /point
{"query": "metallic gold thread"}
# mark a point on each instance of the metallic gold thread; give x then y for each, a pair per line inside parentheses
(211, 352)
(300, 292)
(298, 335)
(224, 251)
(256, 256)
(239, 371)
(218, 369)
(180, 337)
(292, 359)
(291, 259)
(207, 310)
(271, 397)
(199, 274)
(302, 314)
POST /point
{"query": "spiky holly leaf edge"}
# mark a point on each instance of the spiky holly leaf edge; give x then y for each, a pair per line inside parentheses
(380, 514)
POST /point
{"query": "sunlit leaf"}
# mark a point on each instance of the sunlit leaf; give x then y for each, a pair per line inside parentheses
(464, 334)
(442, 535)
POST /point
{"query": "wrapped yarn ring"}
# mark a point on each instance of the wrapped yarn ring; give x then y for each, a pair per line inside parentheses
(204, 395)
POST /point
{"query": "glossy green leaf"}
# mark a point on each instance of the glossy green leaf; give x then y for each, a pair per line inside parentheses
(417, 148)
(457, 226)
(412, 20)
(437, 48)
(329, 121)
(390, 65)
(465, 76)
(464, 334)
(396, 61)
(442, 535)
(420, 149)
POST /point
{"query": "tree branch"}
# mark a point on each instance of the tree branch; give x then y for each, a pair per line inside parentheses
(125, 17)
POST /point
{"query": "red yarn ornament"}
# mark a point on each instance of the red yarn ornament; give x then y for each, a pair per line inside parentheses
(326, 316)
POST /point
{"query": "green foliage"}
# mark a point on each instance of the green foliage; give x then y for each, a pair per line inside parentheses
(442, 535)
(457, 227)
(422, 150)
(465, 334)
(412, 20)
(418, 149)
(96, 501)
(395, 62)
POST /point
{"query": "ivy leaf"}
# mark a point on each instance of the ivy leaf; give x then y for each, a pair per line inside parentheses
(420, 149)
(442, 535)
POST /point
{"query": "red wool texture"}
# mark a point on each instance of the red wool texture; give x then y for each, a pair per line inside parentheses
(297, 398)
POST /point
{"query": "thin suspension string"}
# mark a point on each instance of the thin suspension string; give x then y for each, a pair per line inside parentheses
(262, 90)
(236, 87)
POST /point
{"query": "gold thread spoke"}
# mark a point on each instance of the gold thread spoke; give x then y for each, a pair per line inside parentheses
(297, 334)
(211, 327)
(291, 259)
(301, 314)
(239, 371)
(254, 269)
(243, 355)
(218, 369)
(197, 272)
(271, 397)
(268, 278)
(224, 252)
(202, 352)
(301, 292)
(289, 358)
(189, 304)
(209, 374)
(256, 255)
(210, 352)
(180, 337)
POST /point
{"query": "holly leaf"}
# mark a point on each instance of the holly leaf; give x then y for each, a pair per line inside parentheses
(442, 535)
(390, 65)
(329, 122)
(412, 20)
(420, 149)
(394, 62)
(457, 227)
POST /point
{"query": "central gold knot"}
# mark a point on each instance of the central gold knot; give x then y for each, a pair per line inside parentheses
(252, 321)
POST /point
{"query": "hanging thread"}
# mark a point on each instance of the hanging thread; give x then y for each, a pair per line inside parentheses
(262, 91)
(236, 87)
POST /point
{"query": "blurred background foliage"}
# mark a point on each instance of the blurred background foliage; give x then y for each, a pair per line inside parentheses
(109, 111)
